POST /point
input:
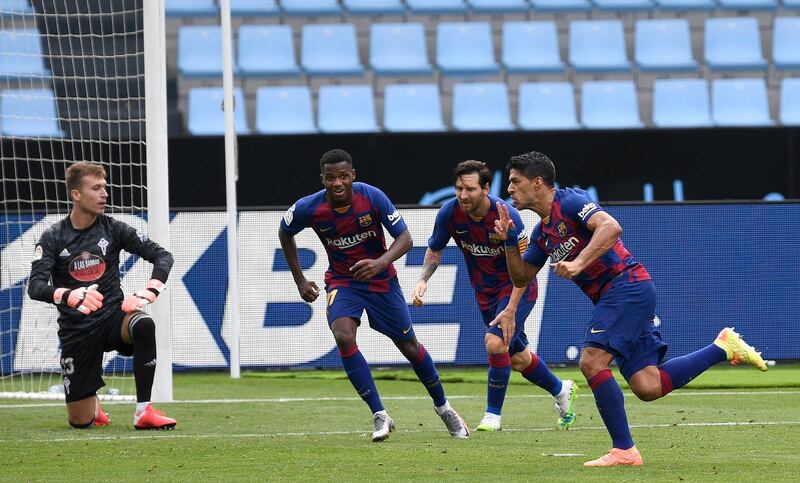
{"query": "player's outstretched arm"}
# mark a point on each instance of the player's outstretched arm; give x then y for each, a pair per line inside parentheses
(520, 271)
(308, 289)
(431, 263)
(605, 233)
(365, 269)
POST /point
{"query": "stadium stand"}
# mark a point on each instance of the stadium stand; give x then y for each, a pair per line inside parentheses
(399, 49)
(681, 103)
(200, 51)
(284, 110)
(348, 108)
(28, 112)
(733, 43)
(597, 46)
(663, 45)
(330, 50)
(786, 43)
(547, 105)
(206, 117)
(610, 105)
(740, 102)
(21, 54)
(790, 102)
(465, 49)
(412, 107)
(530, 47)
(267, 50)
(481, 106)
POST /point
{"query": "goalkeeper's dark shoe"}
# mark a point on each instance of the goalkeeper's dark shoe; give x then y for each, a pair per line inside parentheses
(101, 419)
(151, 418)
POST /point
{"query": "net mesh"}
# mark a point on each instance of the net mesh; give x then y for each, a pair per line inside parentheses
(71, 88)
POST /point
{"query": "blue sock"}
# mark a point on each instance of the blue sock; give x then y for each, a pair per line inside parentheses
(357, 370)
(538, 373)
(611, 404)
(677, 372)
(499, 373)
(426, 372)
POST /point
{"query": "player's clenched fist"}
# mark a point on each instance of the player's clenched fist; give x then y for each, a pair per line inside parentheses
(419, 291)
(308, 290)
(83, 299)
(138, 300)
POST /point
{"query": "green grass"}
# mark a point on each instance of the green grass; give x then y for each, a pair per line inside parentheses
(285, 431)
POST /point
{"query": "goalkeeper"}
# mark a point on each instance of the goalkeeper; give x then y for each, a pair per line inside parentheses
(76, 267)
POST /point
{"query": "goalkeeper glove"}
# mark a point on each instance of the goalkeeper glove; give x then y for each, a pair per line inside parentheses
(138, 300)
(84, 299)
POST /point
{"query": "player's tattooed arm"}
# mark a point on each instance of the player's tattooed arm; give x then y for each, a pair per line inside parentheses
(307, 288)
(429, 265)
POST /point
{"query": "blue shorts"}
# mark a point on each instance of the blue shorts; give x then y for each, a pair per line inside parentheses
(622, 325)
(387, 312)
(520, 341)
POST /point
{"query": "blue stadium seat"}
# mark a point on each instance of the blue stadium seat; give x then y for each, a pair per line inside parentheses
(465, 48)
(663, 45)
(200, 51)
(412, 107)
(790, 102)
(531, 47)
(481, 106)
(398, 49)
(246, 8)
(28, 113)
(597, 46)
(499, 6)
(733, 43)
(740, 102)
(190, 8)
(609, 105)
(15, 7)
(374, 7)
(681, 103)
(687, 5)
(284, 110)
(310, 8)
(555, 6)
(206, 117)
(330, 49)
(547, 105)
(346, 108)
(789, 4)
(624, 5)
(21, 54)
(748, 4)
(433, 7)
(786, 42)
(267, 50)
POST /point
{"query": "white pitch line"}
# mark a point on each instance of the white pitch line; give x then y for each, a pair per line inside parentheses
(173, 435)
(280, 400)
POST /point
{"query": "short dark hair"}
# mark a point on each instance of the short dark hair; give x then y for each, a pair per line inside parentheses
(79, 170)
(335, 156)
(472, 166)
(534, 165)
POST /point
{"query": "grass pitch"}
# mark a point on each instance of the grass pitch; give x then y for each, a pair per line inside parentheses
(730, 424)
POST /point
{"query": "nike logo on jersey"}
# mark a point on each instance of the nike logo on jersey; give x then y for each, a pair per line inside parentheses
(461, 232)
(64, 253)
(406, 330)
(597, 331)
(322, 230)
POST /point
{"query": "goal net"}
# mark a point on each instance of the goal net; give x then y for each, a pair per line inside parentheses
(71, 88)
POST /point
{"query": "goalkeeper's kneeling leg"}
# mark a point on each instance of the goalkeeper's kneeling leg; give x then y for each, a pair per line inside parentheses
(143, 332)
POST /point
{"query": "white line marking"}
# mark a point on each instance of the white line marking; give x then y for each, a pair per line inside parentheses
(398, 398)
(365, 432)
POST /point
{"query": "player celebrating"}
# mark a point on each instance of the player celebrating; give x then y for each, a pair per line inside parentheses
(583, 244)
(347, 217)
(469, 220)
(80, 256)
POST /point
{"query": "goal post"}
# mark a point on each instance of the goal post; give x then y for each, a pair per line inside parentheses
(79, 81)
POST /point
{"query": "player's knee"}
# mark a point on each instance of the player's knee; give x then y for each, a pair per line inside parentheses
(590, 366)
(409, 348)
(81, 424)
(344, 338)
(647, 392)
(142, 328)
(494, 344)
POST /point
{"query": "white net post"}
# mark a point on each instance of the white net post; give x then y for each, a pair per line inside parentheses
(72, 87)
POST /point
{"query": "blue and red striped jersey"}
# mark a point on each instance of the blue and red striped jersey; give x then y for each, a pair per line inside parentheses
(566, 234)
(483, 251)
(350, 234)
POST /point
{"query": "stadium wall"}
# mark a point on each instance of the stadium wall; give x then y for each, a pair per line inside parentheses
(714, 265)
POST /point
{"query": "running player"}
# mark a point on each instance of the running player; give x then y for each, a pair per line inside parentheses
(347, 217)
(469, 220)
(76, 267)
(583, 244)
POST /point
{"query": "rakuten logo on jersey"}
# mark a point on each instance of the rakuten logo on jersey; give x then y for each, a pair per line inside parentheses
(563, 250)
(345, 242)
(481, 250)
